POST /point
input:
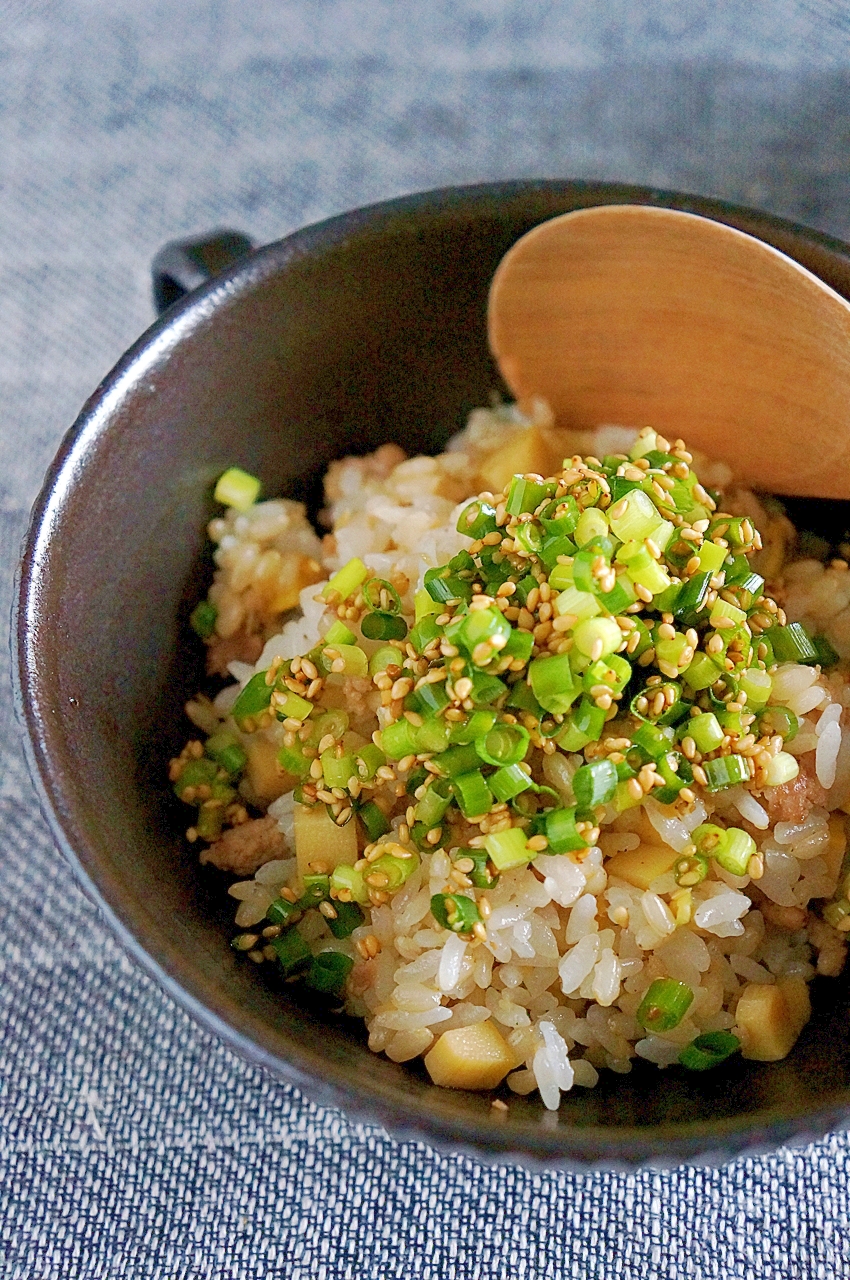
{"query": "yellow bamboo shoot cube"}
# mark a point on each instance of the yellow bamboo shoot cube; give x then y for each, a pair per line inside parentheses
(770, 1018)
(527, 452)
(267, 780)
(320, 845)
(475, 1057)
(640, 866)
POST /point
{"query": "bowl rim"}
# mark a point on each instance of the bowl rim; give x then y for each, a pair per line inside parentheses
(564, 1146)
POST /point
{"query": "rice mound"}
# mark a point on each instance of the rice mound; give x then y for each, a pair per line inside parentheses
(570, 949)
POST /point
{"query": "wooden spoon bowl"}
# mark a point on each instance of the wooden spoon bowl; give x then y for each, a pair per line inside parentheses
(647, 316)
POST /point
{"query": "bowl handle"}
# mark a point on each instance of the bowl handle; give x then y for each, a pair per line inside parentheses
(183, 265)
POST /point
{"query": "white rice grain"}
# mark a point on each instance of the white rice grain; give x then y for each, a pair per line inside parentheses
(826, 755)
(451, 960)
(578, 963)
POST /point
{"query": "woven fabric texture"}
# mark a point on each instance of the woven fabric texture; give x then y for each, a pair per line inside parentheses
(131, 1143)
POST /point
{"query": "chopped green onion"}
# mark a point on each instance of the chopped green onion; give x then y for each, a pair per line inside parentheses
(584, 725)
(505, 744)
(381, 596)
(348, 918)
(726, 771)
(561, 831)
(633, 517)
(353, 659)
(345, 582)
(664, 1005)
(690, 869)
(709, 1050)
(520, 645)
(485, 688)
(705, 730)
(827, 656)
(431, 735)
(394, 870)
(202, 619)
(483, 624)
(782, 768)
(723, 611)
(237, 489)
(374, 820)
(592, 524)
(597, 637)
(579, 604)
(701, 673)
(338, 770)
(676, 772)
(383, 626)
(339, 633)
(553, 683)
(424, 606)
(316, 889)
(281, 911)
(424, 632)
(508, 848)
(254, 698)
(328, 972)
(369, 759)
(472, 793)
(454, 911)
(227, 751)
(458, 759)
(792, 643)
(671, 651)
(442, 585)
(779, 720)
(654, 740)
(428, 699)
(477, 520)
(613, 672)
(434, 803)
(292, 952)
(293, 707)
(398, 739)
(522, 698)
(508, 782)
(479, 722)
(529, 537)
(757, 685)
(561, 516)
(293, 760)
(350, 880)
(527, 494)
(386, 656)
(480, 875)
(594, 784)
(525, 586)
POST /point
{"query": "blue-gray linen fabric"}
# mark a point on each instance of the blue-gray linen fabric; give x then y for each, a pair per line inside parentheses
(132, 1144)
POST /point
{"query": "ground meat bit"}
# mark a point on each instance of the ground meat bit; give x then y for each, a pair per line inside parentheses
(241, 647)
(830, 945)
(791, 919)
(362, 977)
(793, 801)
(245, 848)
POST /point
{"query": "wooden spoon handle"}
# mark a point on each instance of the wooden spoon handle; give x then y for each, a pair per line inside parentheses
(652, 317)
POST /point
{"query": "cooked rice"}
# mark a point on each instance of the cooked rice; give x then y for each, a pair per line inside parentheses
(570, 950)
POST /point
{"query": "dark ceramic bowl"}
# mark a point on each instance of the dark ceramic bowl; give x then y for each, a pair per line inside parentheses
(367, 328)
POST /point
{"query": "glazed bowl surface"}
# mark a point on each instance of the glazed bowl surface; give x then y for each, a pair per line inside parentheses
(364, 329)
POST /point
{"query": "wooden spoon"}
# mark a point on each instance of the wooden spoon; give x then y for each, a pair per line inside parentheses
(642, 316)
